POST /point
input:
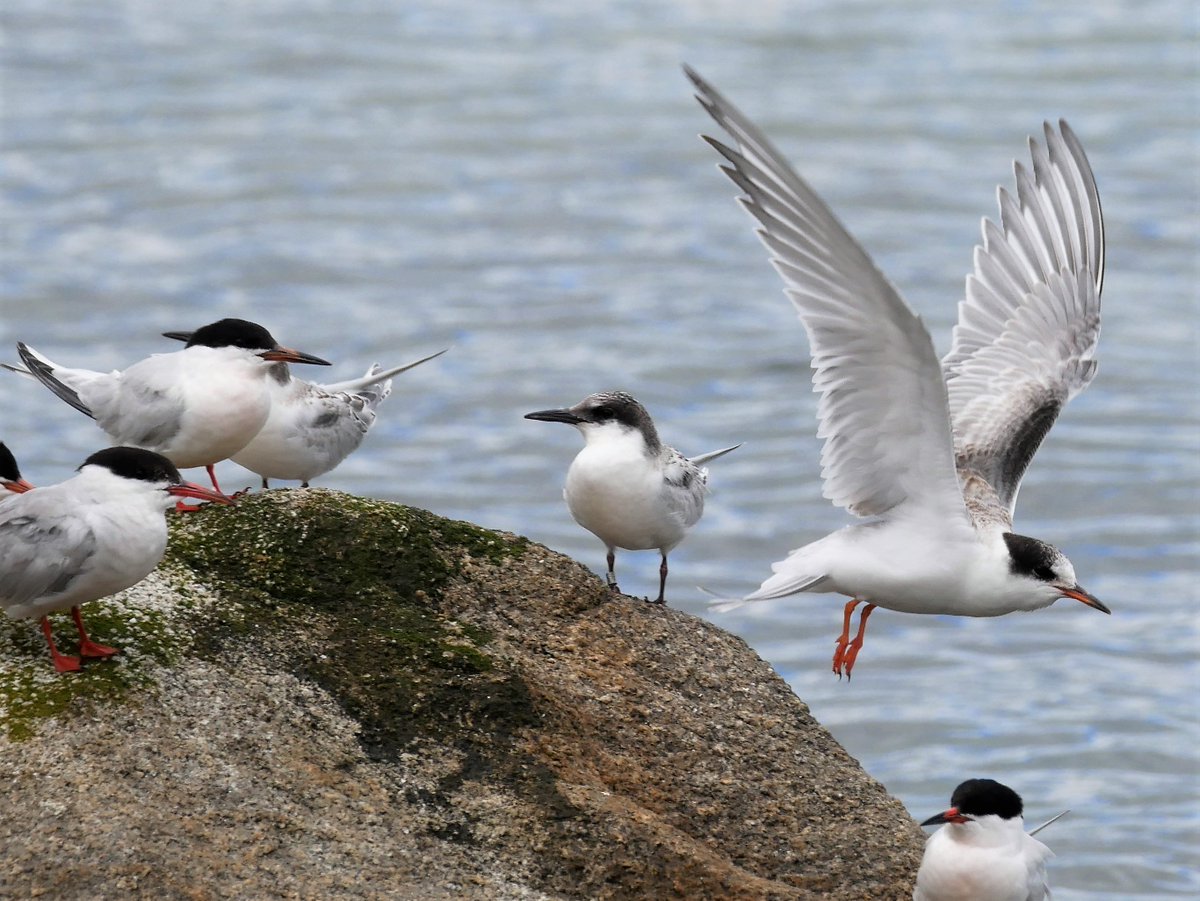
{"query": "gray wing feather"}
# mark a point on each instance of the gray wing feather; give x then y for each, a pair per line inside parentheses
(685, 484)
(40, 556)
(1025, 341)
(883, 409)
(375, 375)
(43, 370)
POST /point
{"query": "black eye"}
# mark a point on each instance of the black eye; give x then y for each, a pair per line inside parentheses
(603, 412)
(1045, 573)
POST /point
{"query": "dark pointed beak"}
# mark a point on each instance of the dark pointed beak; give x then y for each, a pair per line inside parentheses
(946, 816)
(199, 492)
(19, 486)
(178, 336)
(555, 416)
(279, 354)
(1077, 593)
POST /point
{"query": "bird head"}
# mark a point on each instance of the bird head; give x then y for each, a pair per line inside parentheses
(604, 416)
(1048, 571)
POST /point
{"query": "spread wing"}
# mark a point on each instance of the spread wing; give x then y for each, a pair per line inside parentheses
(883, 409)
(1028, 327)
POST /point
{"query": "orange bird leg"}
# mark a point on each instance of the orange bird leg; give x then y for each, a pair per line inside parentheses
(212, 474)
(62, 662)
(839, 653)
(87, 647)
(856, 645)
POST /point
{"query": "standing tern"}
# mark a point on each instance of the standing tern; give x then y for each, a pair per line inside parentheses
(88, 537)
(982, 852)
(626, 487)
(934, 452)
(10, 473)
(312, 428)
(196, 407)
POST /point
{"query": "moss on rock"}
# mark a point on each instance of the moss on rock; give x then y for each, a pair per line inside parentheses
(361, 579)
(152, 624)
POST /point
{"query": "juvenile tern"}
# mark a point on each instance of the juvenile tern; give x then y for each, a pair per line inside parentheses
(982, 852)
(933, 452)
(10, 473)
(88, 537)
(626, 487)
(196, 407)
(312, 428)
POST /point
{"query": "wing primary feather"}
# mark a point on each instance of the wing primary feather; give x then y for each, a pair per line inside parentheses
(43, 371)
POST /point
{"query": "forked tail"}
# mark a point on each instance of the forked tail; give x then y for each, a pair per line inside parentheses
(780, 585)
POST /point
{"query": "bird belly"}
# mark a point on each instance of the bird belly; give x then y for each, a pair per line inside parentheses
(956, 871)
(878, 564)
(301, 447)
(206, 416)
(622, 506)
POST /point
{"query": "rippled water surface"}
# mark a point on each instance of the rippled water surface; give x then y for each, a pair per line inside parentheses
(521, 182)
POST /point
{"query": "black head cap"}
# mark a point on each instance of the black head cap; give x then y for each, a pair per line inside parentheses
(135, 463)
(619, 405)
(1030, 557)
(980, 797)
(233, 333)
(8, 464)
(622, 407)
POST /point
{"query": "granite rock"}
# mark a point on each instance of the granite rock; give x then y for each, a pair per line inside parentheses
(322, 696)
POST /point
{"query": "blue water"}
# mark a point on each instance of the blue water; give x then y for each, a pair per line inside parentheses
(521, 182)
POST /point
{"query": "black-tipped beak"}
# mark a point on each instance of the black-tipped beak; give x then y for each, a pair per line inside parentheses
(946, 816)
(279, 354)
(556, 416)
(178, 336)
(1077, 593)
(199, 492)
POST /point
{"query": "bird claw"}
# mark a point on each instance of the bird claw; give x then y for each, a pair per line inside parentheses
(90, 648)
(66, 664)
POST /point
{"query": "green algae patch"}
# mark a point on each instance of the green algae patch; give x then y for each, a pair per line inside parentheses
(342, 590)
(350, 587)
(147, 623)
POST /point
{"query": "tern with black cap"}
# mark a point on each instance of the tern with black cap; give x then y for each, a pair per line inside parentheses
(196, 406)
(91, 536)
(313, 427)
(982, 852)
(933, 452)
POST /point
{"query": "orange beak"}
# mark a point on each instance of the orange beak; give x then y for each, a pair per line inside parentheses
(191, 489)
(1077, 593)
(20, 486)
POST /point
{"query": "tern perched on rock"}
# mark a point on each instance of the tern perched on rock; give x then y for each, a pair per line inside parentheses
(196, 407)
(982, 852)
(93, 535)
(312, 428)
(932, 452)
(626, 487)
